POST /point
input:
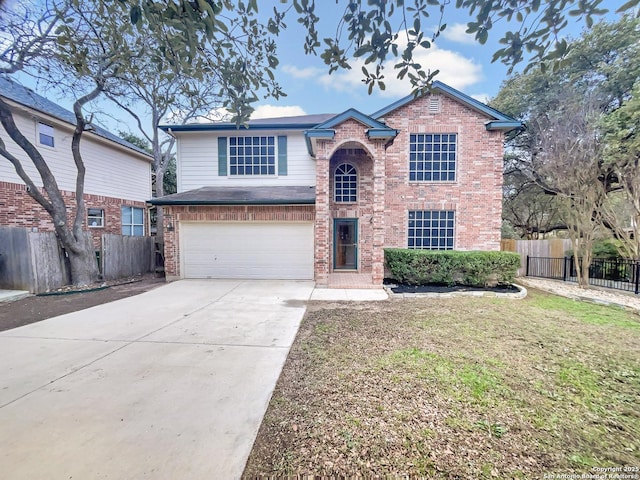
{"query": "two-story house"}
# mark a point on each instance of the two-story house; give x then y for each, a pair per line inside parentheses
(320, 196)
(118, 174)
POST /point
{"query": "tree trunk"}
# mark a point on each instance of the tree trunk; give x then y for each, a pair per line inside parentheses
(82, 260)
(159, 213)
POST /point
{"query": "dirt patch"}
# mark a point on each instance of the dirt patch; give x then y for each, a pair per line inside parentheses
(455, 388)
(36, 308)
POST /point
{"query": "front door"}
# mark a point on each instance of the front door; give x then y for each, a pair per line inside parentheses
(345, 244)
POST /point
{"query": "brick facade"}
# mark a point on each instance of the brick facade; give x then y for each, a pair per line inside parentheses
(173, 215)
(18, 209)
(385, 194)
(475, 196)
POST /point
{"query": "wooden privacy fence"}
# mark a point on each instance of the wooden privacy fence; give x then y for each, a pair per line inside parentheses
(35, 262)
(555, 247)
(31, 261)
(124, 256)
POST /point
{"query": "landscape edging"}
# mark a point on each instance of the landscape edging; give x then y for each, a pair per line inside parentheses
(522, 293)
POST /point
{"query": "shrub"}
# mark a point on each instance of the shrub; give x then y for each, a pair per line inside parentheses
(608, 249)
(451, 267)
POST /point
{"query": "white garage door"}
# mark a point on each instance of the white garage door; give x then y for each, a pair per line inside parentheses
(266, 250)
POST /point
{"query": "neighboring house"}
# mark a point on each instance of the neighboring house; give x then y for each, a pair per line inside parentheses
(320, 196)
(118, 174)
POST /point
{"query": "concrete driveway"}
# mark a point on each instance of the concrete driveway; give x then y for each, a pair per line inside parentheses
(169, 384)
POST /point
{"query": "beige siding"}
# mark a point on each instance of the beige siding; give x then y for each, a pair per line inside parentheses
(198, 162)
(111, 171)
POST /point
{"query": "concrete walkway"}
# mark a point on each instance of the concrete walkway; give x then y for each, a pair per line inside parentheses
(169, 384)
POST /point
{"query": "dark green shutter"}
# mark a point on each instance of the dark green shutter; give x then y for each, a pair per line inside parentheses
(282, 155)
(222, 156)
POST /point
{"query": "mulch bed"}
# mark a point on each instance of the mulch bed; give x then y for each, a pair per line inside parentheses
(434, 288)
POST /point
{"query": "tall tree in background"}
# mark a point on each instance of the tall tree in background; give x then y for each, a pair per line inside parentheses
(622, 155)
(567, 162)
(603, 66)
(171, 95)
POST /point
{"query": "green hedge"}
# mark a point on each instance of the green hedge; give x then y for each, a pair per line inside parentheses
(451, 267)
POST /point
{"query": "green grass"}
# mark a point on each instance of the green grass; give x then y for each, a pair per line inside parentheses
(588, 312)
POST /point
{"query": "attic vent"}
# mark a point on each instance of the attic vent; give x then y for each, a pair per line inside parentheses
(434, 104)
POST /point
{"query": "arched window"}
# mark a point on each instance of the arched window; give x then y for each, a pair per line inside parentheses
(345, 184)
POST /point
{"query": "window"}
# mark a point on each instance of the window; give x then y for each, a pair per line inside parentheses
(431, 229)
(132, 221)
(95, 217)
(45, 134)
(432, 157)
(345, 183)
(252, 156)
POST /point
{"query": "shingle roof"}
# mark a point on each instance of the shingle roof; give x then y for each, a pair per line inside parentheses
(27, 97)
(300, 122)
(303, 195)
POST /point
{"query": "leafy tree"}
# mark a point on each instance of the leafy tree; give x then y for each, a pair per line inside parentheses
(602, 65)
(567, 161)
(376, 30)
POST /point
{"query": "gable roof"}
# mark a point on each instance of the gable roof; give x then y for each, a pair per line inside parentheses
(30, 99)
(375, 129)
(354, 114)
(300, 122)
(500, 120)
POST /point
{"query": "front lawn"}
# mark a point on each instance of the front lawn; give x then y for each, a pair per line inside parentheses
(456, 388)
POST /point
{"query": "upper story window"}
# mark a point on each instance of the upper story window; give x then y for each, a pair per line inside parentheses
(431, 229)
(95, 217)
(46, 135)
(345, 184)
(132, 221)
(252, 156)
(432, 157)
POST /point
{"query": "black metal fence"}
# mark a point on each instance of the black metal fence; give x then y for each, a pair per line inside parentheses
(618, 274)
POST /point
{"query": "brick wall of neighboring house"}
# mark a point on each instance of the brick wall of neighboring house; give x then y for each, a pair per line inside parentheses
(18, 209)
(475, 196)
(173, 215)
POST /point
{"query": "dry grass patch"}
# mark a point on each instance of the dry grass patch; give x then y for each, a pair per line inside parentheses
(455, 388)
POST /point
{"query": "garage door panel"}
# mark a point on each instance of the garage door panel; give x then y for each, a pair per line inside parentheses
(271, 250)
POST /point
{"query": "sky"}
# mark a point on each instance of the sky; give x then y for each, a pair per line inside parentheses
(463, 63)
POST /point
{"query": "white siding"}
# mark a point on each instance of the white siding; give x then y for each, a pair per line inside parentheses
(198, 161)
(110, 170)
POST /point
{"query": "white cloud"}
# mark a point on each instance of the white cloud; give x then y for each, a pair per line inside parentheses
(275, 111)
(302, 73)
(481, 97)
(456, 32)
(455, 70)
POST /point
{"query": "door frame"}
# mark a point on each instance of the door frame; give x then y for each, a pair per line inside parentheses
(355, 223)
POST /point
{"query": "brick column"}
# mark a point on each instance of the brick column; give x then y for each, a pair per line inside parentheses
(379, 185)
(322, 225)
(171, 259)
